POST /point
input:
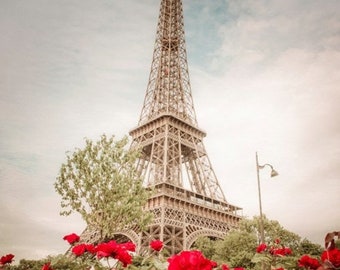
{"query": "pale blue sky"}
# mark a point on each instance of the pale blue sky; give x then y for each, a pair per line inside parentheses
(264, 76)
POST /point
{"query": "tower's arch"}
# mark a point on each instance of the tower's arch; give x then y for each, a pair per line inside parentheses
(203, 233)
(126, 235)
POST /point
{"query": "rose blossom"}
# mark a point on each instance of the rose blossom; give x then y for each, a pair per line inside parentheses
(47, 266)
(71, 238)
(261, 247)
(308, 262)
(224, 267)
(80, 249)
(281, 251)
(129, 246)
(332, 255)
(156, 245)
(6, 259)
(116, 251)
(190, 260)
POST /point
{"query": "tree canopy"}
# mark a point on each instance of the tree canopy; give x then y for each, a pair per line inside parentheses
(100, 182)
(238, 247)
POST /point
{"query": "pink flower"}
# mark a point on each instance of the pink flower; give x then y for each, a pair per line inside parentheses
(7, 259)
(156, 245)
(261, 247)
(71, 238)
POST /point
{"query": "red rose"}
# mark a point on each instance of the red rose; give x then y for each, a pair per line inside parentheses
(287, 251)
(90, 248)
(308, 262)
(224, 267)
(281, 251)
(71, 238)
(79, 250)
(156, 245)
(124, 257)
(116, 251)
(190, 260)
(104, 250)
(47, 266)
(332, 255)
(261, 247)
(128, 246)
(6, 259)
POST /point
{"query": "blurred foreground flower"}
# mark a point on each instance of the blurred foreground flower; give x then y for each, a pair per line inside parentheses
(6, 259)
(190, 260)
(47, 266)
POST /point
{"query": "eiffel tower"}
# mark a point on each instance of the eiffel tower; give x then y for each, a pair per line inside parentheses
(188, 201)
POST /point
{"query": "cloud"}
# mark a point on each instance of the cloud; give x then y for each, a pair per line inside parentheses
(274, 90)
(264, 78)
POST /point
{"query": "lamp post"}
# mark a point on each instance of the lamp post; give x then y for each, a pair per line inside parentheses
(272, 174)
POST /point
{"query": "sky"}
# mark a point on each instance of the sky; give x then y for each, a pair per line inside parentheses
(264, 75)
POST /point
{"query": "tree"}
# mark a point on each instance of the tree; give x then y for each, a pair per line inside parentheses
(206, 245)
(307, 247)
(100, 182)
(237, 249)
(58, 262)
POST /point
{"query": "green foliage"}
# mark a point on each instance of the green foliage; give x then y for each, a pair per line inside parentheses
(237, 249)
(337, 243)
(100, 182)
(307, 247)
(206, 245)
(268, 262)
(148, 263)
(272, 231)
(59, 262)
(27, 264)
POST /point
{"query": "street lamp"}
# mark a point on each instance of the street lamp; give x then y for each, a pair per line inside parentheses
(272, 174)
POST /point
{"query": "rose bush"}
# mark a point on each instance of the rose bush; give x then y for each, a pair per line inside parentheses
(121, 255)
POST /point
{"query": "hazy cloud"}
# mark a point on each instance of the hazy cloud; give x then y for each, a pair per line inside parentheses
(266, 72)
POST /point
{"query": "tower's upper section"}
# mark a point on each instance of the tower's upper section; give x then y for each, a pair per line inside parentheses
(168, 91)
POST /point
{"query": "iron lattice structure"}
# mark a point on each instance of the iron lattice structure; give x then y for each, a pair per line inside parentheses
(188, 201)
